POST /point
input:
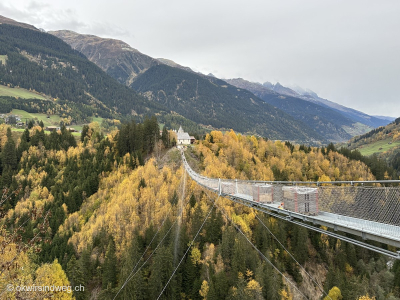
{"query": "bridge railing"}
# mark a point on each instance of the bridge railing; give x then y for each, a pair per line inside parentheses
(356, 199)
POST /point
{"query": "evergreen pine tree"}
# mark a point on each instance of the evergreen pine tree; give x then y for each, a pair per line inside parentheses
(110, 266)
(396, 271)
(214, 227)
(165, 137)
(161, 270)
(24, 144)
(76, 277)
(84, 133)
(135, 288)
(8, 154)
(300, 243)
(86, 265)
(192, 200)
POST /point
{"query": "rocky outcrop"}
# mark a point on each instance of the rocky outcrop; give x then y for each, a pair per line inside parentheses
(115, 57)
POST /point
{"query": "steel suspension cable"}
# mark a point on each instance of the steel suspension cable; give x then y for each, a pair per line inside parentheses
(261, 254)
(287, 251)
(130, 276)
(187, 250)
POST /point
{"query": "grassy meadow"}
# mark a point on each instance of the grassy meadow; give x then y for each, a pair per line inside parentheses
(3, 59)
(19, 92)
(378, 147)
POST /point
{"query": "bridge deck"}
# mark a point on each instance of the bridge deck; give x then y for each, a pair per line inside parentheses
(368, 230)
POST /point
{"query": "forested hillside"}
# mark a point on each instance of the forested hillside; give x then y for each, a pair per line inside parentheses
(382, 142)
(44, 179)
(75, 88)
(96, 212)
(44, 63)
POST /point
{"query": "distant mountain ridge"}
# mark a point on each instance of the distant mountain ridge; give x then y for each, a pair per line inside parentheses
(326, 121)
(4, 20)
(329, 120)
(42, 62)
(311, 96)
(390, 119)
(171, 63)
(193, 95)
(115, 57)
(212, 101)
(361, 122)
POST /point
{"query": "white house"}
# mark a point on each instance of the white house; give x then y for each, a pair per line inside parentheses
(183, 137)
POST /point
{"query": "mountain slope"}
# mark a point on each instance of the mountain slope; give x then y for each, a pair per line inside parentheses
(115, 57)
(211, 101)
(326, 121)
(44, 63)
(171, 63)
(4, 20)
(194, 96)
(379, 140)
(382, 142)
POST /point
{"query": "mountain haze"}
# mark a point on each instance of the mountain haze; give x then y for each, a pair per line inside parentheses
(326, 121)
(309, 95)
(355, 115)
(337, 122)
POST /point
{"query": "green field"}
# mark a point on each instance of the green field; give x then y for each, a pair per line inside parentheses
(52, 121)
(378, 147)
(3, 59)
(97, 119)
(19, 93)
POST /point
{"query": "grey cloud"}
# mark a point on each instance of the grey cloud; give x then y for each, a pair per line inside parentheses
(44, 15)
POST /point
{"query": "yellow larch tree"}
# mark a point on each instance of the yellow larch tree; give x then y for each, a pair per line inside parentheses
(52, 275)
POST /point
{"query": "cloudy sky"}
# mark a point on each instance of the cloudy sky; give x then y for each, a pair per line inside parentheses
(346, 51)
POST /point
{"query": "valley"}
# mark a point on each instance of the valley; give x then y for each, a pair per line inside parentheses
(112, 208)
(174, 86)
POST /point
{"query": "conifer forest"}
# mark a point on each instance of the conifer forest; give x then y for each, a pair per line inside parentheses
(117, 214)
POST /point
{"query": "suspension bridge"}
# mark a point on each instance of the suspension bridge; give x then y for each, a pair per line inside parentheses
(353, 207)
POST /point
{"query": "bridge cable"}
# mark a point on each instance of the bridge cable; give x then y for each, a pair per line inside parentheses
(130, 276)
(187, 250)
(261, 254)
(265, 258)
(287, 251)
